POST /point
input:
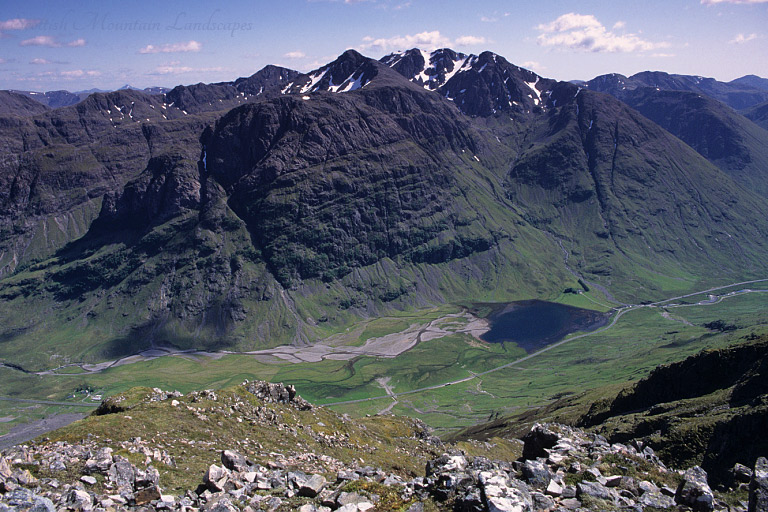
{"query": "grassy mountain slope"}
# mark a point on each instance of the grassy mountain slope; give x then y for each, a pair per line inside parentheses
(629, 199)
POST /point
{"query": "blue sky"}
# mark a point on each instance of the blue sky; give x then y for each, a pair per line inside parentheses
(48, 45)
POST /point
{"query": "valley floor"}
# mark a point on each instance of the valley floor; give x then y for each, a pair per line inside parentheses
(435, 367)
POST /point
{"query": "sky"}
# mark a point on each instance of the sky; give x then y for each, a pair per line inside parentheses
(50, 45)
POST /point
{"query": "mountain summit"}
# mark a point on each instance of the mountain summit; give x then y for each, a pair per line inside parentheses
(478, 84)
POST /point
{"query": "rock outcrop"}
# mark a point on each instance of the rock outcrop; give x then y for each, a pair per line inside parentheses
(564, 468)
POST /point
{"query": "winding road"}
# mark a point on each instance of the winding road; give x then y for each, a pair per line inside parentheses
(48, 402)
(375, 350)
(619, 313)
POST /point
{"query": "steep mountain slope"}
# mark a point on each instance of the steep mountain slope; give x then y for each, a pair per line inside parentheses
(295, 214)
(621, 190)
(709, 409)
(57, 166)
(713, 129)
(758, 115)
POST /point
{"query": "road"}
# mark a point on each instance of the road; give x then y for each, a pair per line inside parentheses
(48, 402)
(619, 313)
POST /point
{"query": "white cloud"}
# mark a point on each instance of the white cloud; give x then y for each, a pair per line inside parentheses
(425, 40)
(175, 68)
(3, 61)
(40, 61)
(79, 73)
(662, 55)
(489, 19)
(71, 74)
(41, 41)
(741, 38)
(18, 24)
(50, 42)
(619, 24)
(584, 32)
(183, 47)
(712, 2)
(295, 55)
(533, 65)
(469, 40)
(428, 40)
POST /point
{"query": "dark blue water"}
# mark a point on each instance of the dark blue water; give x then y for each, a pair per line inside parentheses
(534, 324)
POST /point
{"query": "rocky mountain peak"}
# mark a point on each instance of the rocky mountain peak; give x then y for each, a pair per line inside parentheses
(429, 70)
(478, 84)
(349, 72)
(266, 82)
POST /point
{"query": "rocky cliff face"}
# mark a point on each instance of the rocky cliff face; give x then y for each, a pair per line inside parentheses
(708, 408)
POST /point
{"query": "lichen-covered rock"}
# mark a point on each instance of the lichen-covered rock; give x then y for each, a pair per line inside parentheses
(758, 487)
(234, 460)
(694, 491)
(594, 490)
(503, 494)
(536, 473)
(538, 440)
(277, 393)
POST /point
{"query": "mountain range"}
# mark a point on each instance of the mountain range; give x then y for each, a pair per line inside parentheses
(280, 207)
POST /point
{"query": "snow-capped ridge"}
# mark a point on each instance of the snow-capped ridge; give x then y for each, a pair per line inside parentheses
(478, 84)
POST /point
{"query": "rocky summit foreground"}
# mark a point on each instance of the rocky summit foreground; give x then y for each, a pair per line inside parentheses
(259, 446)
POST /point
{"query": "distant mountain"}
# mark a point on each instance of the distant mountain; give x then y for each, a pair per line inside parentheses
(752, 81)
(736, 94)
(150, 90)
(758, 114)
(93, 90)
(267, 82)
(58, 99)
(54, 99)
(16, 104)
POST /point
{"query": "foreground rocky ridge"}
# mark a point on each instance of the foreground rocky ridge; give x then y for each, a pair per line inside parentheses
(381, 463)
(710, 409)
